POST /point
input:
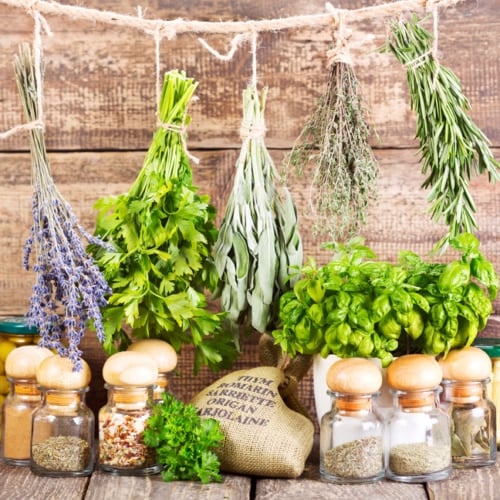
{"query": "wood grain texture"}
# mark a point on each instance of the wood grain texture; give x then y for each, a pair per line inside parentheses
(397, 220)
(18, 483)
(99, 104)
(106, 487)
(100, 90)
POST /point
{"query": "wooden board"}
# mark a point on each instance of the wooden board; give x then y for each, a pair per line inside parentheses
(18, 483)
(107, 487)
(100, 91)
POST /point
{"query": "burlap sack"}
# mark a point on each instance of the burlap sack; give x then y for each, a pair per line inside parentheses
(263, 437)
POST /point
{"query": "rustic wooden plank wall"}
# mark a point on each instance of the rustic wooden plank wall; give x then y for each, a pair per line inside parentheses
(100, 114)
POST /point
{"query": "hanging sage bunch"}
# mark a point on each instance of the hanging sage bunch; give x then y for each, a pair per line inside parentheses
(162, 232)
(453, 148)
(258, 240)
(334, 145)
(69, 289)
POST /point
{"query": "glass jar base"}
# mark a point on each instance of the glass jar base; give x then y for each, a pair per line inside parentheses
(20, 462)
(332, 478)
(40, 471)
(470, 463)
(131, 471)
(419, 478)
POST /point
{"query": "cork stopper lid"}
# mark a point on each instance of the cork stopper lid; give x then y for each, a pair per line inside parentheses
(129, 368)
(57, 372)
(160, 350)
(354, 376)
(23, 361)
(467, 364)
(414, 372)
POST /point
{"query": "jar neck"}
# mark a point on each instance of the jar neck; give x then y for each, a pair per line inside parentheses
(417, 401)
(469, 391)
(64, 397)
(24, 387)
(352, 403)
(129, 397)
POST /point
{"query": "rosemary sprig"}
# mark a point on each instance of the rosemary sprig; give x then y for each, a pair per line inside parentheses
(334, 141)
(69, 288)
(258, 240)
(452, 147)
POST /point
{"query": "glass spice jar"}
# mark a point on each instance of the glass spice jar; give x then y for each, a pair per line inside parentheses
(62, 439)
(24, 398)
(351, 434)
(121, 431)
(62, 442)
(418, 446)
(20, 404)
(491, 347)
(15, 329)
(473, 423)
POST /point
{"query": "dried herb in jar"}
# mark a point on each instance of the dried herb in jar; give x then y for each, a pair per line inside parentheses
(418, 458)
(61, 453)
(355, 459)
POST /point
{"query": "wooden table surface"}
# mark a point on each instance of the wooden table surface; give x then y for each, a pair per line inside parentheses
(18, 483)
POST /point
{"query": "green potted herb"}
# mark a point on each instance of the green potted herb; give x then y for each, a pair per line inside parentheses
(358, 306)
(161, 233)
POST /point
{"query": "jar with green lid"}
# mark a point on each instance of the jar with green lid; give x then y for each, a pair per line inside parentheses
(15, 329)
(492, 347)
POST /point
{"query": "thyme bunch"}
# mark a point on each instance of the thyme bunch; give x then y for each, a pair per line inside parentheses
(452, 146)
(69, 289)
(334, 143)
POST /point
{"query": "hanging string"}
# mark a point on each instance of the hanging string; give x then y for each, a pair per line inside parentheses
(177, 26)
(160, 29)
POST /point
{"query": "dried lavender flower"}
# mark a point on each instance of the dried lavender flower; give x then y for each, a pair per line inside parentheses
(69, 289)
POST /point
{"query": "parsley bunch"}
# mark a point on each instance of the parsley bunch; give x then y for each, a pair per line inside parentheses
(184, 441)
(162, 232)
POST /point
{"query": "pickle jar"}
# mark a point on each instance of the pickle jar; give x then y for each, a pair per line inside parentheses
(130, 378)
(492, 348)
(15, 329)
(351, 434)
(473, 416)
(166, 360)
(418, 439)
(20, 404)
(62, 440)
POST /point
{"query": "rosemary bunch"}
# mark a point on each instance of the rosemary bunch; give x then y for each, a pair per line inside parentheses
(334, 142)
(162, 232)
(452, 147)
(69, 289)
(258, 240)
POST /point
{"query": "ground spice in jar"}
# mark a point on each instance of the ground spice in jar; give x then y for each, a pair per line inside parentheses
(359, 458)
(17, 430)
(418, 458)
(62, 453)
(121, 440)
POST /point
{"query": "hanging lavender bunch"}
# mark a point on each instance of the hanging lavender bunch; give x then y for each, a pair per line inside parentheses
(69, 288)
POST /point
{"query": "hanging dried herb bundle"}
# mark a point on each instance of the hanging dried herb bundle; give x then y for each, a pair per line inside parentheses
(453, 148)
(69, 289)
(258, 240)
(334, 142)
(162, 232)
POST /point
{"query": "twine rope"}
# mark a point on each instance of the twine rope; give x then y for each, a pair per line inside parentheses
(173, 27)
(159, 29)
